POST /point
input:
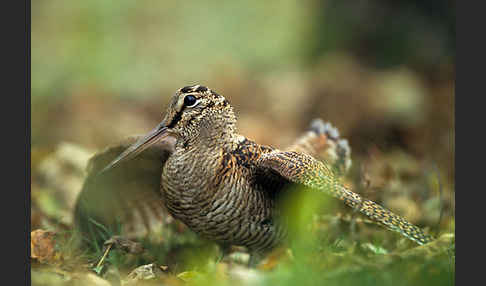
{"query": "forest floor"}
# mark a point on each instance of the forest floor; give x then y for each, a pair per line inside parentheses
(403, 158)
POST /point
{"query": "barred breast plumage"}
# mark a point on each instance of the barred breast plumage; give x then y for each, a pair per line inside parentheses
(236, 205)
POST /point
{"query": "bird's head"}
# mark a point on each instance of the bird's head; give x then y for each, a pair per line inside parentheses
(195, 114)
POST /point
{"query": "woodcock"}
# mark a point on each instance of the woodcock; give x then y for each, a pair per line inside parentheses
(223, 186)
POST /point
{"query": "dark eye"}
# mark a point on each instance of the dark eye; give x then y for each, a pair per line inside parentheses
(190, 100)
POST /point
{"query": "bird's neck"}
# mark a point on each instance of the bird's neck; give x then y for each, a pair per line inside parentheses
(212, 136)
(202, 156)
(213, 130)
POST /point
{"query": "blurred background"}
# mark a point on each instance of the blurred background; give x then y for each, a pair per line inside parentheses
(382, 72)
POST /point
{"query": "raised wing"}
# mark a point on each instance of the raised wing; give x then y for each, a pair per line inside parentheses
(126, 197)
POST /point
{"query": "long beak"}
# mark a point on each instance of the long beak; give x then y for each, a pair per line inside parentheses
(148, 140)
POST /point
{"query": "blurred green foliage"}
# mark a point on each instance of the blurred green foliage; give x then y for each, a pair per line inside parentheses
(137, 48)
(128, 47)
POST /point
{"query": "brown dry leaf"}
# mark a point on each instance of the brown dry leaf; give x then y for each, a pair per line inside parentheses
(42, 246)
(275, 258)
